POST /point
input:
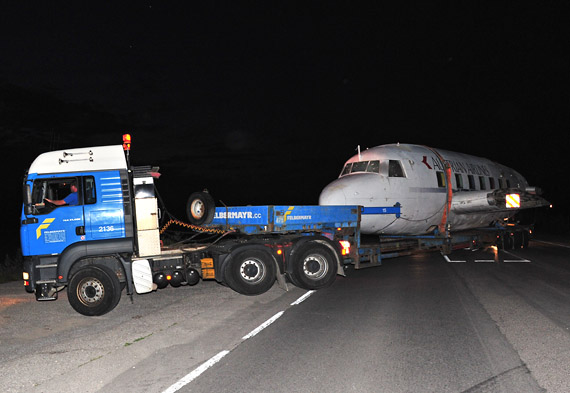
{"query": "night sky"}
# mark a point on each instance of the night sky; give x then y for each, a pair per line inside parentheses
(264, 105)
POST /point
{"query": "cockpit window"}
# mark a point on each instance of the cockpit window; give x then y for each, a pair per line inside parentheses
(346, 169)
(395, 169)
(361, 166)
(374, 166)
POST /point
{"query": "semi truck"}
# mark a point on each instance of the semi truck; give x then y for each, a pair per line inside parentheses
(112, 235)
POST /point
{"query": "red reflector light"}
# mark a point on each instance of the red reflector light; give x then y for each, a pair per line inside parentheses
(345, 247)
(26, 283)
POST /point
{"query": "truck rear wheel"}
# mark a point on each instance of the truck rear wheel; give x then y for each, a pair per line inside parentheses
(94, 290)
(200, 208)
(250, 272)
(313, 266)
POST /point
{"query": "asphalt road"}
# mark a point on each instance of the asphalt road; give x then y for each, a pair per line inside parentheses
(473, 322)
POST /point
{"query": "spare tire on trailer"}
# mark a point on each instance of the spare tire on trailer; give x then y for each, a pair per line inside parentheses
(200, 208)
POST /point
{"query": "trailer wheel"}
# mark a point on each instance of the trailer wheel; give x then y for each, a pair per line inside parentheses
(200, 208)
(250, 272)
(313, 266)
(94, 290)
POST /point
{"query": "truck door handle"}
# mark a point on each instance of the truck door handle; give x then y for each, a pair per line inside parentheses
(30, 220)
(80, 231)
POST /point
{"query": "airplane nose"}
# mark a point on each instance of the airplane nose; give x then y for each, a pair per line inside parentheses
(332, 195)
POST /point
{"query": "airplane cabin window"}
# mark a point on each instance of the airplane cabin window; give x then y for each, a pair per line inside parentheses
(395, 169)
(359, 166)
(471, 182)
(440, 179)
(491, 183)
(374, 166)
(346, 169)
(482, 185)
(459, 181)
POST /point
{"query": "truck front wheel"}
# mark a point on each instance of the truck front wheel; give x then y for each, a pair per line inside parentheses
(250, 272)
(313, 266)
(94, 290)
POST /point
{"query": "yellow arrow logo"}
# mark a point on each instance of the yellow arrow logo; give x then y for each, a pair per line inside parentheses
(45, 223)
(287, 213)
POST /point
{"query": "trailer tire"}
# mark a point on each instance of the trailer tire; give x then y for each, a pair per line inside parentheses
(250, 272)
(94, 290)
(200, 208)
(313, 266)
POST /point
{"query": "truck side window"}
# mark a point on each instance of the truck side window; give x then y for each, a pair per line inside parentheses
(395, 169)
(89, 193)
(54, 189)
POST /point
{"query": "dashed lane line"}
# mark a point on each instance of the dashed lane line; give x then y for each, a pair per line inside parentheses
(216, 358)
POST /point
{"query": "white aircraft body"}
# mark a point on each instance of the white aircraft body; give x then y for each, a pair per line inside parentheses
(434, 188)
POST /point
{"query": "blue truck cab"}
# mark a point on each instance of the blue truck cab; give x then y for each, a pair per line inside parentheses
(55, 236)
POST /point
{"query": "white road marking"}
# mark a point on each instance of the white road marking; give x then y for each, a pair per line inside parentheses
(450, 261)
(302, 298)
(551, 243)
(514, 260)
(196, 373)
(263, 326)
(215, 359)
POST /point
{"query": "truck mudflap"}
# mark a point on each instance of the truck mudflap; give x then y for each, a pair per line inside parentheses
(142, 276)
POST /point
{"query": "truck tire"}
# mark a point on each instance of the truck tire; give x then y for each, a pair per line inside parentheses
(250, 272)
(200, 208)
(313, 266)
(94, 290)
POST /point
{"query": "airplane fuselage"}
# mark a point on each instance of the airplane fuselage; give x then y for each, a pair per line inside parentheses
(467, 195)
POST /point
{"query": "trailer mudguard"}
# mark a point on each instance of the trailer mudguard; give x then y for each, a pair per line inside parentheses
(80, 250)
